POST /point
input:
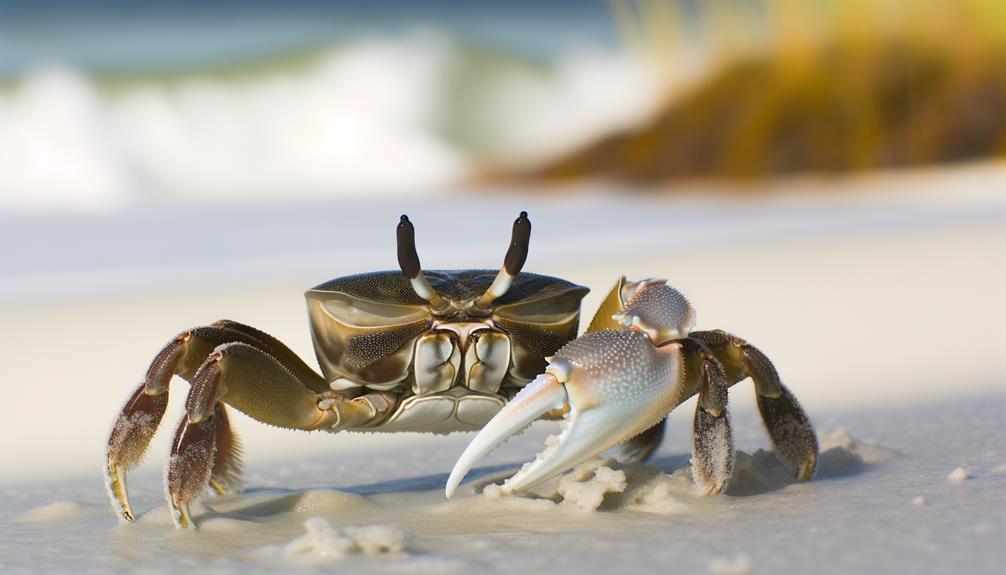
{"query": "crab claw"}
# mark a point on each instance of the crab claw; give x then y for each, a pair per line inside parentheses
(612, 384)
(656, 309)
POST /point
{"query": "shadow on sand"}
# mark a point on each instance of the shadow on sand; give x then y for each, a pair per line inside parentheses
(754, 474)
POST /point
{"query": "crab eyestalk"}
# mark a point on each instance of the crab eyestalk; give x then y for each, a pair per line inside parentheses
(513, 262)
(408, 260)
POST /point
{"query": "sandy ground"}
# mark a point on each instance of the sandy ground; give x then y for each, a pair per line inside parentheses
(883, 312)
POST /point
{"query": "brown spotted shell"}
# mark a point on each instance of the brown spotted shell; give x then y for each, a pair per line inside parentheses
(364, 326)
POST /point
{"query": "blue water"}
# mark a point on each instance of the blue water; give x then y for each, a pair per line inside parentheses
(142, 37)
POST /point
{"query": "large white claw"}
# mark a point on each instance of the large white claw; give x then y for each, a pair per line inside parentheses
(540, 396)
(616, 384)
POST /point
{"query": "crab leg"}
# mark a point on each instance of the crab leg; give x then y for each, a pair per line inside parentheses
(712, 438)
(254, 382)
(786, 422)
(250, 380)
(225, 477)
(183, 355)
(128, 441)
(641, 447)
(616, 384)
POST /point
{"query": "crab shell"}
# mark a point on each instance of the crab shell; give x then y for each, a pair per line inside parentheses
(452, 369)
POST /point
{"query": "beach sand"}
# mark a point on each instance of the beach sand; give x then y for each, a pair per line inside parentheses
(883, 312)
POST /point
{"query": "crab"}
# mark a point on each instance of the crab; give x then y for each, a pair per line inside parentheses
(460, 350)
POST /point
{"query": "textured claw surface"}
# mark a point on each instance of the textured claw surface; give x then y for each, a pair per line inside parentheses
(659, 311)
(617, 385)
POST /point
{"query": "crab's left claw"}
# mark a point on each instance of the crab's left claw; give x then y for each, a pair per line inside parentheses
(612, 384)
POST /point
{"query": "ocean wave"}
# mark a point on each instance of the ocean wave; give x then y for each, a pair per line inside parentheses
(364, 118)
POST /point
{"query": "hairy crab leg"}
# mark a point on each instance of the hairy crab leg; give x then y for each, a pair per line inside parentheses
(254, 382)
(183, 355)
(189, 466)
(130, 436)
(225, 477)
(712, 436)
(251, 380)
(787, 424)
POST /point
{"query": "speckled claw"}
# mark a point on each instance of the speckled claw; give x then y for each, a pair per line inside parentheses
(615, 384)
(656, 309)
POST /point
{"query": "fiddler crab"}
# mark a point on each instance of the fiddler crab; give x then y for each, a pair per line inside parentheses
(461, 350)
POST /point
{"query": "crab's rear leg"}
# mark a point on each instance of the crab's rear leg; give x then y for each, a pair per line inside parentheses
(641, 447)
(712, 436)
(225, 477)
(786, 422)
(139, 418)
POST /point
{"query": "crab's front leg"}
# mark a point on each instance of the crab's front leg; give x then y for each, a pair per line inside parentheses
(226, 363)
(613, 384)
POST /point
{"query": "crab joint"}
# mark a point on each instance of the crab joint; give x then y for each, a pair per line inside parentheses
(341, 413)
(206, 388)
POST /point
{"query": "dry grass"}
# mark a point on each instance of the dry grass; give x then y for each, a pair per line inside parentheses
(794, 86)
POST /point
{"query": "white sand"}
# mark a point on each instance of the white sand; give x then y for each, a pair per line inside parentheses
(958, 476)
(883, 314)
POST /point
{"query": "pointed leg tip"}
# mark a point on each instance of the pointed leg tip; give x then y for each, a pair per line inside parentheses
(707, 488)
(218, 488)
(115, 483)
(223, 488)
(126, 515)
(807, 470)
(711, 478)
(181, 515)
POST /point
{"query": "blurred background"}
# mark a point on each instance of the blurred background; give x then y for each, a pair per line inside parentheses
(806, 171)
(108, 105)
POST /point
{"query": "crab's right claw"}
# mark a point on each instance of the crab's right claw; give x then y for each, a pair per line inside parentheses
(612, 384)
